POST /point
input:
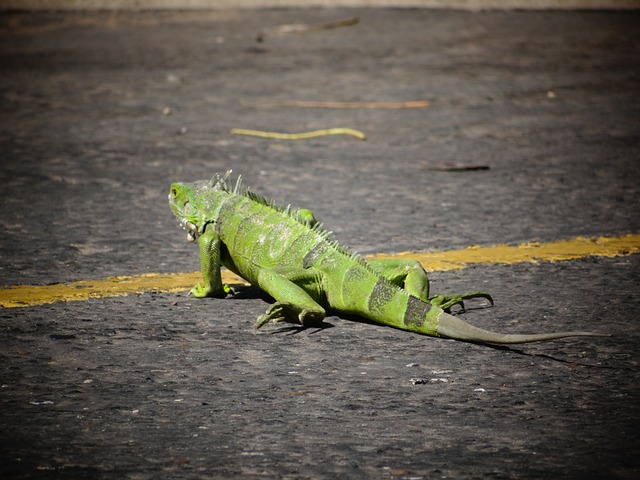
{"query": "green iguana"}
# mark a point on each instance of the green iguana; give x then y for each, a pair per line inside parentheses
(290, 256)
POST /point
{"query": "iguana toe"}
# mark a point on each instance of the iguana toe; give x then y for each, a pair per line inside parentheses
(200, 291)
(445, 302)
(275, 313)
(286, 312)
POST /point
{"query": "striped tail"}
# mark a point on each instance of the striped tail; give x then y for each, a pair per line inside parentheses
(391, 305)
(421, 317)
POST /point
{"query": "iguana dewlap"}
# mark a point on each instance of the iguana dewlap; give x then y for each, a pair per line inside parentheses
(289, 255)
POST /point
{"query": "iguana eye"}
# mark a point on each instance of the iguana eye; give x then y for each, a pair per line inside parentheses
(174, 192)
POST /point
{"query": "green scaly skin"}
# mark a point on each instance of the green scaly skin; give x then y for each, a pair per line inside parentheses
(289, 255)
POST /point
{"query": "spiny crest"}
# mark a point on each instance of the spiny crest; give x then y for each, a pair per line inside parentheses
(223, 183)
(319, 229)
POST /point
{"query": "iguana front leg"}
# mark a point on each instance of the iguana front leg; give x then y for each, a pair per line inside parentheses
(411, 276)
(292, 288)
(210, 263)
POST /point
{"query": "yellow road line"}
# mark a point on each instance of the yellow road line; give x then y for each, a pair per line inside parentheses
(30, 295)
(527, 252)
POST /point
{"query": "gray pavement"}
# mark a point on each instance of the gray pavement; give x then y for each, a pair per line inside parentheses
(101, 112)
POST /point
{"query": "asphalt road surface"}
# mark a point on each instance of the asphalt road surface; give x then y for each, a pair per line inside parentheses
(100, 112)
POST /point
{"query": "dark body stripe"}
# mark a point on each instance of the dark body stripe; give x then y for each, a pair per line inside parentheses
(416, 312)
(381, 295)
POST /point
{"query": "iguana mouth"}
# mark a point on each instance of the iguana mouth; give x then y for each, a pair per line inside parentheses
(192, 230)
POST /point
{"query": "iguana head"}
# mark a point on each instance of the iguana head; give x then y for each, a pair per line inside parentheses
(196, 204)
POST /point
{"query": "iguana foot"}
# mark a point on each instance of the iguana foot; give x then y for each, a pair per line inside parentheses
(445, 302)
(287, 312)
(201, 292)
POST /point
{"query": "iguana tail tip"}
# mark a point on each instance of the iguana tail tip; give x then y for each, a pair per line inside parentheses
(457, 329)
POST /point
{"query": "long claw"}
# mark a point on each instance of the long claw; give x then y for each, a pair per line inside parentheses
(262, 319)
(275, 313)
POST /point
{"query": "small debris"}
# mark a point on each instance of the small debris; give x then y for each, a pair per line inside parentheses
(422, 381)
(317, 104)
(301, 28)
(412, 365)
(439, 379)
(457, 167)
(61, 336)
(173, 78)
(299, 136)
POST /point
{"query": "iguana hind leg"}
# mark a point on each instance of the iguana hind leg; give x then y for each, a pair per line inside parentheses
(406, 274)
(411, 276)
(291, 288)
